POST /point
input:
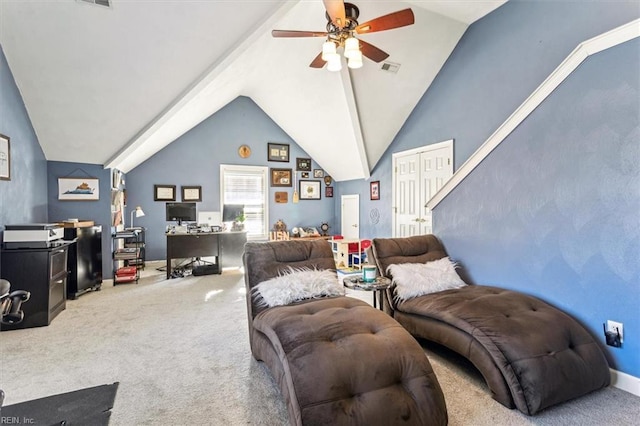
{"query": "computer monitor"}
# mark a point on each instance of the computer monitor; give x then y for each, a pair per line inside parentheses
(209, 218)
(231, 211)
(181, 212)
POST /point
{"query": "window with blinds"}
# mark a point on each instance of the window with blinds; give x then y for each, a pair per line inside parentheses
(247, 185)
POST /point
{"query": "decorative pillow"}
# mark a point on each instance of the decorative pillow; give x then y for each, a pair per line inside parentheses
(416, 279)
(298, 284)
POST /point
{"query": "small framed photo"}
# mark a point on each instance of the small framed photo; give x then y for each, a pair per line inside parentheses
(304, 175)
(303, 164)
(281, 177)
(328, 191)
(309, 189)
(78, 189)
(282, 197)
(318, 173)
(278, 152)
(374, 189)
(164, 192)
(5, 158)
(191, 193)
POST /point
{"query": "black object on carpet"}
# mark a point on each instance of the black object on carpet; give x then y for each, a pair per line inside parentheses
(84, 407)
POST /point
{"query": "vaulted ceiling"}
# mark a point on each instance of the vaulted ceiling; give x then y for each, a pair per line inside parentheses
(114, 85)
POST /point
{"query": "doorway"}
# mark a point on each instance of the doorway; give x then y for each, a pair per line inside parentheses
(417, 175)
(350, 217)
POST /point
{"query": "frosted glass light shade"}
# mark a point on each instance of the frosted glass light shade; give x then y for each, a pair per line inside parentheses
(334, 63)
(351, 47)
(328, 49)
(355, 61)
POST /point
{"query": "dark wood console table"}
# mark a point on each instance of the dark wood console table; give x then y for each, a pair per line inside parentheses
(221, 245)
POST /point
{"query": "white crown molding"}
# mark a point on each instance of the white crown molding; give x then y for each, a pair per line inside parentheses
(626, 382)
(589, 47)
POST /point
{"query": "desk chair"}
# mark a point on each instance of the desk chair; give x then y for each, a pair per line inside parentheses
(11, 313)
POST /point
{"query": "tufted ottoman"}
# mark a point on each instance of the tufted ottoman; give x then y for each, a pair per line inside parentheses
(337, 360)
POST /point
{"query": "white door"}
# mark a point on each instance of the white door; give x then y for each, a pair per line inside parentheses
(350, 217)
(418, 174)
(406, 195)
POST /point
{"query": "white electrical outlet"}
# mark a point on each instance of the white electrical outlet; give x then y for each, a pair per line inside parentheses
(613, 325)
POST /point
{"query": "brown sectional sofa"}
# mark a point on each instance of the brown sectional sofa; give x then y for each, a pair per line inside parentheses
(337, 360)
(531, 354)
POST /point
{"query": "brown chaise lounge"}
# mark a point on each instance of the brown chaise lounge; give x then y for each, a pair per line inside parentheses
(531, 354)
(337, 360)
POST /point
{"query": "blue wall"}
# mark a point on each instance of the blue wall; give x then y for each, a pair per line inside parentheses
(194, 159)
(97, 211)
(554, 210)
(23, 199)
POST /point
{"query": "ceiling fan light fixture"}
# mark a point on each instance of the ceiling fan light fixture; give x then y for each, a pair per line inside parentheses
(355, 61)
(334, 63)
(328, 49)
(351, 47)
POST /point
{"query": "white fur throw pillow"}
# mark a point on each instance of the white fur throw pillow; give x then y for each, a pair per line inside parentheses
(416, 279)
(299, 284)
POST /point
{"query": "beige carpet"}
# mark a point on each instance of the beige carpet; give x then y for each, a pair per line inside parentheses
(179, 349)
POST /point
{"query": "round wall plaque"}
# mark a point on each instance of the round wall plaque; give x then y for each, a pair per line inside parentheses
(244, 151)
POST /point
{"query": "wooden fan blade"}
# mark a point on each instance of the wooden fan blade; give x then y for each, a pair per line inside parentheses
(398, 19)
(291, 33)
(335, 10)
(372, 52)
(318, 62)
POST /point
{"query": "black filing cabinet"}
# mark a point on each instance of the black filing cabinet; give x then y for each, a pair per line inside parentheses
(43, 273)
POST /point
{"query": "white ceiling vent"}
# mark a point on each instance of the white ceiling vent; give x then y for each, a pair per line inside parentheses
(390, 67)
(105, 3)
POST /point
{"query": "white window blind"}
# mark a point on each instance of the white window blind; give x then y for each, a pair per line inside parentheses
(247, 185)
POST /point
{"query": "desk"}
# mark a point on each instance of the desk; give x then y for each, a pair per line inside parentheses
(223, 245)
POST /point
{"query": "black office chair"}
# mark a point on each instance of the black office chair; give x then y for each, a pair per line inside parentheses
(11, 312)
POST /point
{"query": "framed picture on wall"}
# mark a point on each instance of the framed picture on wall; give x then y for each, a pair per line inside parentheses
(164, 192)
(309, 189)
(78, 189)
(374, 189)
(328, 191)
(278, 152)
(5, 158)
(191, 193)
(303, 164)
(281, 177)
(282, 197)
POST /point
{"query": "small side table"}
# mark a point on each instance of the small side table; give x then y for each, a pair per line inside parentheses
(355, 282)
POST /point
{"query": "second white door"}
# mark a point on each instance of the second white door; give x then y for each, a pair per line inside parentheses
(350, 216)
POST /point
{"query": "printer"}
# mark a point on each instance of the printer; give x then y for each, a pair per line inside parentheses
(33, 235)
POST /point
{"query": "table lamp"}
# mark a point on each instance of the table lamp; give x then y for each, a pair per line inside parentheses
(138, 213)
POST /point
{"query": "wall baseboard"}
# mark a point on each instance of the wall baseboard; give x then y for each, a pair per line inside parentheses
(626, 382)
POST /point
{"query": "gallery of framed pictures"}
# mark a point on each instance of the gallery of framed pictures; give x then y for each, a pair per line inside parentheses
(78, 189)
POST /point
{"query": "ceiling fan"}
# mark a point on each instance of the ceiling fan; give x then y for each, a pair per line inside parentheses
(342, 25)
